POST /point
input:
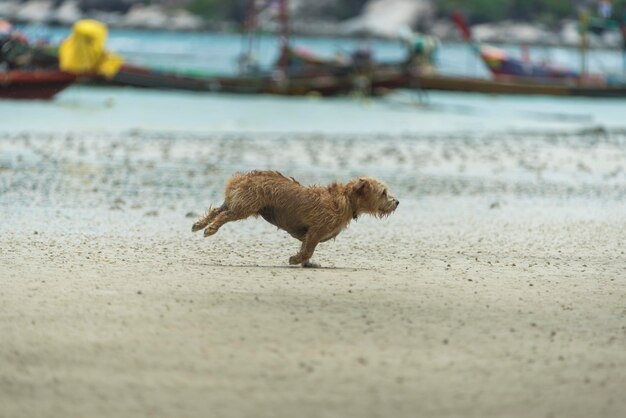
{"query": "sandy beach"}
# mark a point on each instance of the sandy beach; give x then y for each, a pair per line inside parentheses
(497, 288)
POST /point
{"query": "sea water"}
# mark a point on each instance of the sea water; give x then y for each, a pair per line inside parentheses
(82, 108)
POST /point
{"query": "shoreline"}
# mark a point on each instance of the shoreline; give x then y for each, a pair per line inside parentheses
(127, 110)
(495, 289)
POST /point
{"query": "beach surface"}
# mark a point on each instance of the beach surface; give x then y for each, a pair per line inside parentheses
(496, 289)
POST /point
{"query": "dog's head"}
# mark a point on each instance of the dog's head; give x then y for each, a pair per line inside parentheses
(372, 196)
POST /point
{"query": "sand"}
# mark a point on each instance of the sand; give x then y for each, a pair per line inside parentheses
(497, 289)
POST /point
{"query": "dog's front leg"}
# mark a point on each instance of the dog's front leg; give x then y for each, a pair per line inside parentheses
(309, 243)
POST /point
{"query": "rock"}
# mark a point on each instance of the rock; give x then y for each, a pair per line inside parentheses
(115, 6)
(386, 17)
(512, 32)
(111, 19)
(316, 27)
(444, 29)
(158, 17)
(569, 33)
(185, 21)
(8, 9)
(36, 11)
(146, 17)
(486, 32)
(67, 13)
(382, 18)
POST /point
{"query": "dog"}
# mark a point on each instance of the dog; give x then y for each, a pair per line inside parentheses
(311, 214)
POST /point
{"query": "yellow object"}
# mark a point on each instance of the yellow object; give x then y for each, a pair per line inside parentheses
(84, 53)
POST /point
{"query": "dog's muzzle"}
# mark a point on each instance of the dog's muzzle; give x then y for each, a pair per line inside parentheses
(389, 208)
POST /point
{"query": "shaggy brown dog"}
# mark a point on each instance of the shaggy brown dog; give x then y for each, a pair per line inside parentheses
(310, 214)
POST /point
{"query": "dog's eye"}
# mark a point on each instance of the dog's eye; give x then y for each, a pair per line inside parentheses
(384, 193)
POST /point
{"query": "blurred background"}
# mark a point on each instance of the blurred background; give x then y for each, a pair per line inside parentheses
(390, 65)
(519, 98)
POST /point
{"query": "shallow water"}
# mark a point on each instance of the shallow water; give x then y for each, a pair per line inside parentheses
(119, 109)
(83, 108)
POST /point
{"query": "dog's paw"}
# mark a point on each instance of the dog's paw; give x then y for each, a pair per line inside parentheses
(209, 231)
(197, 226)
(295, 259)
(310, 264)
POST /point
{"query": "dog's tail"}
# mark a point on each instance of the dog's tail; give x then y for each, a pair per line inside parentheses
(205, 219)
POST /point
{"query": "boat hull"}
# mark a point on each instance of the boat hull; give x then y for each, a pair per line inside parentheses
(475, 85)
(33, 84)
(377, 82)
(301, 85)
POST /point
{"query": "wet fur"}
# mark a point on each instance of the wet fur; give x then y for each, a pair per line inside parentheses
(311, 214)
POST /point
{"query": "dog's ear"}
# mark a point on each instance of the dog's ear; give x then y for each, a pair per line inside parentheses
(361, 186)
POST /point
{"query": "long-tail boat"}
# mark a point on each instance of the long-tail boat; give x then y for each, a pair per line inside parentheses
(377, 82)
(297, 73)
(33, 84)
(524, 77)
(28, 71)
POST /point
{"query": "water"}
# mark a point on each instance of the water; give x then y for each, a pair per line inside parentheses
(217, 53)
(83, 108)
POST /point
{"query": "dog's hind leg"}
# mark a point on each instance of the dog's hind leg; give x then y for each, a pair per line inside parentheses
(208, 217)
(222, 218)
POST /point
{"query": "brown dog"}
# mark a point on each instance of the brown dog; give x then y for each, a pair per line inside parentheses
(310, 214)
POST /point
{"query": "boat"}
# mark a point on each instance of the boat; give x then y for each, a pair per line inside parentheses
(27, 71)
(299, 73)
(295, 73)
(42, 84)
(324, 84)
(487, 86)
(522, 76)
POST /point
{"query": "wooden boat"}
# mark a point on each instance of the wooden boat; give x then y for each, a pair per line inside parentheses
(297, 73)
(511, 75)
(28, 71)
(294, 74)
(485, 86)
(33, 84)
(378, 82)
(323, 84)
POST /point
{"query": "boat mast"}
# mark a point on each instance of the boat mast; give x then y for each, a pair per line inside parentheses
(584, 25)
(250, 23)
(622, 28)
(247, 60)
(283, 16)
